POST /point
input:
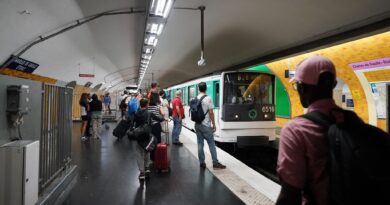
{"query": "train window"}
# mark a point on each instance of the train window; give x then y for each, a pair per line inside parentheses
(216, 100)
(243, 88)
(182, 95)
(191, 93)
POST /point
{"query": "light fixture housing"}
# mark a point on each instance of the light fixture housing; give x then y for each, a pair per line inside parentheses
(156, 20)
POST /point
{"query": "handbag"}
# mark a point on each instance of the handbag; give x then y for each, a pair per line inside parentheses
(142, 132)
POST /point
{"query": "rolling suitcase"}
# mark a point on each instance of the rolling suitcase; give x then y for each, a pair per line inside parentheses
(161, 158)
(121, 129)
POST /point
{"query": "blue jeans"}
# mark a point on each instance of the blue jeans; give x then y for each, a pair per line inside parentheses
(176, 129)
(205, 133)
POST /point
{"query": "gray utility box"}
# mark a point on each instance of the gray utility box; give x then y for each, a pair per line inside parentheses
(19, 172)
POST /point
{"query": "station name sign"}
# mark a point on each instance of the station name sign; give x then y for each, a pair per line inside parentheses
(21, 64)
(381, 62)
(86, 75)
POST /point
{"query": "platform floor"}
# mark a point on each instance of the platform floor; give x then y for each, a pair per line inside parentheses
(109, 175)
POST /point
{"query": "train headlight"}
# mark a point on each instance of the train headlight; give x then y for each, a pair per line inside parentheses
(235, 116)
(252, 114)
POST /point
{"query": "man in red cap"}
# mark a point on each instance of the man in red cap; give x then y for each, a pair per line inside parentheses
(303, 149)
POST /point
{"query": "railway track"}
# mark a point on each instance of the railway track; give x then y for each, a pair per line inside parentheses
(261, 159)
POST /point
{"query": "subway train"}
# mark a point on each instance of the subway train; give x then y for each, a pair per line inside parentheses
(244, 106)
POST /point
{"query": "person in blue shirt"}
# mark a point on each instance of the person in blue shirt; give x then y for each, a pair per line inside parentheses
(107, 103)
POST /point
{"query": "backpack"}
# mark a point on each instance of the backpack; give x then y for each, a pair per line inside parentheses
(123, 105)
(133, 105)
(196, 110)
(359, 159)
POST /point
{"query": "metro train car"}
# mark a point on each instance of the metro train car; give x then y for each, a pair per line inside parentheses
(244, 106)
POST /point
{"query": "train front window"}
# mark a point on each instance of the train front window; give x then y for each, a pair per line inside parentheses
(248, 88)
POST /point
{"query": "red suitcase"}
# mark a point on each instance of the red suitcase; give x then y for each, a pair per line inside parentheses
(161, 162)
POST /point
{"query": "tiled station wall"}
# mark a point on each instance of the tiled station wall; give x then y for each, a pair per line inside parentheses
(342, 55)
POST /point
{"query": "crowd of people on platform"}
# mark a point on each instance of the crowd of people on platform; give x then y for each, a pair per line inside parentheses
(154, 108)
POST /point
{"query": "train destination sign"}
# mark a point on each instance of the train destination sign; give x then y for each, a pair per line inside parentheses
(21, 64)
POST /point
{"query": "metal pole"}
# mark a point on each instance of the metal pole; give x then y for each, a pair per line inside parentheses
(202, 8)
(77, 23)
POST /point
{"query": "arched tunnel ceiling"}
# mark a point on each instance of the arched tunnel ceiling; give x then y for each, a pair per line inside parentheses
(235, 32)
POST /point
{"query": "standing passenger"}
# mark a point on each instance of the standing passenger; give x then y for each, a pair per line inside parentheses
(155, 124)
(132, 107)
(96, 116)
(88, 129)
(164, 105)
(206, 129)
(303, 148)
(140, 118)
(178, 116)
(123, 105)
(84, 115)
(154, 90)
(107, 103)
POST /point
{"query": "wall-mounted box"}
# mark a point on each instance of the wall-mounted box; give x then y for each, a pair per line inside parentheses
(19, 172)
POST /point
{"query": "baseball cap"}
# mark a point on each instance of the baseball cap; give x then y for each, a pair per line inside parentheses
(309, 70)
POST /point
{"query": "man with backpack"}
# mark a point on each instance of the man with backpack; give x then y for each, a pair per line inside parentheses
(132, 106)
(201, 110)
(322, 154)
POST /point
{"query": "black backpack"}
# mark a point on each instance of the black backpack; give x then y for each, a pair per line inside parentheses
(359, 159)
(123, 105)
(196, 110)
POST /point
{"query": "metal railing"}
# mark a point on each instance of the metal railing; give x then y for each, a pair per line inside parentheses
(56, 137)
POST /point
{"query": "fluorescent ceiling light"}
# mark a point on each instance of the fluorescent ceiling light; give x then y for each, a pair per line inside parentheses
(167, 8)
(150, 40)
(160, 28)
(148, 50)
(155, 22)
(148, 57)
(155, 28)
(159, 9)
(152, 4)
(155, 42)
(152, 27)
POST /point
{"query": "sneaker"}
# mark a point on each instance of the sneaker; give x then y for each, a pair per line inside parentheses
(219, 166)
(83, 138)
(147, 172)
(141, 176)
(203, 165)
